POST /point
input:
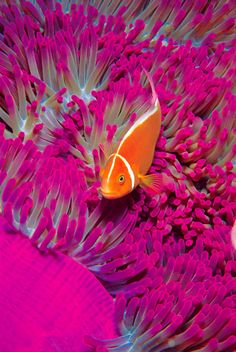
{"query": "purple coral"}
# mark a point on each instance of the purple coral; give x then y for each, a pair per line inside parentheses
(72, 84)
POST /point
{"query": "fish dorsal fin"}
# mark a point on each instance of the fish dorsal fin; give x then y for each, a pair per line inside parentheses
(152, 110)
(155, 100)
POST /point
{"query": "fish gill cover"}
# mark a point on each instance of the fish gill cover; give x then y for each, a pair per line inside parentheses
(71, 84)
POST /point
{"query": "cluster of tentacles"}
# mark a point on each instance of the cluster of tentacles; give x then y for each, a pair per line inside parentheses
(71, 84)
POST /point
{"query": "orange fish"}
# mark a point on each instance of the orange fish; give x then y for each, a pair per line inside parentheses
(233, 235)
(127, 167)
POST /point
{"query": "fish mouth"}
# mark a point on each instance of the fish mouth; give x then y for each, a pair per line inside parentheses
(109, 195)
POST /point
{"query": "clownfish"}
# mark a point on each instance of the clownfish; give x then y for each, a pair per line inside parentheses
(126, 168)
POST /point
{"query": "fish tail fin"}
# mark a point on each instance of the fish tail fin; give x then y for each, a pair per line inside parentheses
(155, 99)
(153, 182)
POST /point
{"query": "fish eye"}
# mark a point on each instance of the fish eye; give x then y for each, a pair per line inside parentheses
(121, 179)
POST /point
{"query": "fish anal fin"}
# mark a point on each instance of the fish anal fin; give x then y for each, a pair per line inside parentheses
(101, 172)
(108, 148)
(153, 182)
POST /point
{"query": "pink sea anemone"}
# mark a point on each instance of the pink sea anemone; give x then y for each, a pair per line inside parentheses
(41, 309)
(71, 84)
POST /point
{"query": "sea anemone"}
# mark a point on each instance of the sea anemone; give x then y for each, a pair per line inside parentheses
(72, 83)
(184, 303)
(48, 304)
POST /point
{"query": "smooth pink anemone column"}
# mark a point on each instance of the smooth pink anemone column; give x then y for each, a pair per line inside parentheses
(48, 301)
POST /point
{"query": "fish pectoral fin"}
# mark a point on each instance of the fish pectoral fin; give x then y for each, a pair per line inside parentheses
(154, 182)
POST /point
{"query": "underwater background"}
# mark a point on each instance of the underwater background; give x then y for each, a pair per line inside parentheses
(145, 272)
